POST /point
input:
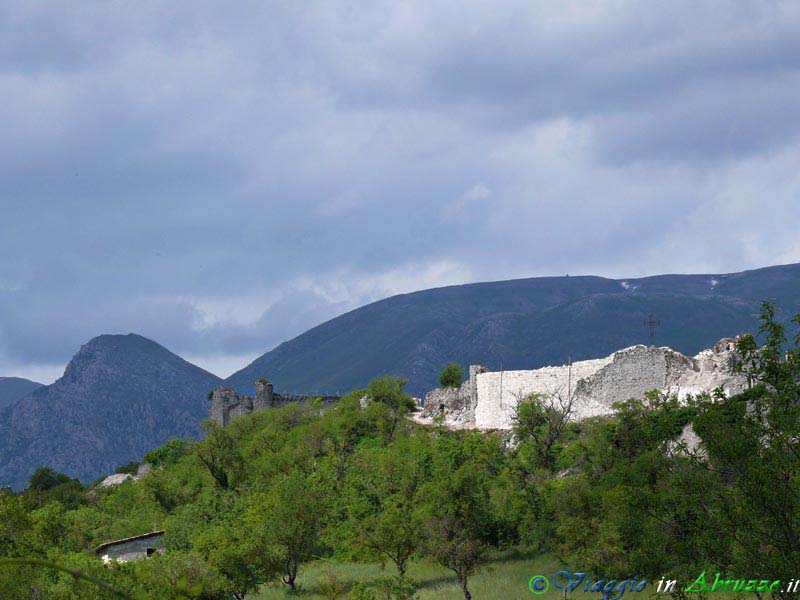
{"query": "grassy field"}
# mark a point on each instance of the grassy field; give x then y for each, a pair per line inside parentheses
(506, 577)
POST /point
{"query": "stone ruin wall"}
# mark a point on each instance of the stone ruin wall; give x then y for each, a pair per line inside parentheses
(226, 404)
(457, 404)
(489, 398)
(454, 402)
(499, 392)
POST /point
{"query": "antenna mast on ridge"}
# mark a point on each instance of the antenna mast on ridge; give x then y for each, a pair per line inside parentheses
(652, 323)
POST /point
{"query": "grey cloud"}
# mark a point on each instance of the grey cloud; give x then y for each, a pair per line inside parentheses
(510, 71)
(167, 157)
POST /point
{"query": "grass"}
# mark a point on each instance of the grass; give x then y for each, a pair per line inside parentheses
(505, 577)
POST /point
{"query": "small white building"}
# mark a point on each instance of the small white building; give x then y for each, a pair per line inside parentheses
(132, 548)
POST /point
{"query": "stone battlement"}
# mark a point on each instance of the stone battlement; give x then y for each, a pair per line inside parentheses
(489, 398)
(226, 404)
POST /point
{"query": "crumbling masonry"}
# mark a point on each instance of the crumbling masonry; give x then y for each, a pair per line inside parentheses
(488, 399)
(226, 404)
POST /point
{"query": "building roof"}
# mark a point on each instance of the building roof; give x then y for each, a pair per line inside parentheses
(102, 547)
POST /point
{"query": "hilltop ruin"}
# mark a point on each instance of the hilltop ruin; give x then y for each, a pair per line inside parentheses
(488, 399)
(226, 404)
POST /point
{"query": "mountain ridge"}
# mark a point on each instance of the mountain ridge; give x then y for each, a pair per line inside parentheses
(423, 330)
(122, 395)
(15, 388)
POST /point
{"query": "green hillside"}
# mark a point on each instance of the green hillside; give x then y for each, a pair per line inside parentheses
(359, 502)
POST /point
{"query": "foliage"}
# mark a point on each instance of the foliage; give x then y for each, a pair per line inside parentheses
(455, 503)
(287, 520)
(168, 453)
(220, 455)
(361, 591)
(397, 588)
(380, 501)
(753, 447)
(389, 392)
(45, 478)
(451, 376)
(262, 500)
(542, 420)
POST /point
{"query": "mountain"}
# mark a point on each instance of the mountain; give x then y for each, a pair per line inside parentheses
(14, 388)
(120, 396)
(524, 323)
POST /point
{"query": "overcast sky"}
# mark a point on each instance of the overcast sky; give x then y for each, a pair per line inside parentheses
(222, 176)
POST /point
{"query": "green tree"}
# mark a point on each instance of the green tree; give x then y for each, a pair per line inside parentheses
(451, 376)
(220, 454)
(15, 527)
(45, 478)
(182, 576)
(233, 551)
(288, 521)
(455, 505)
(47, 484)
(380, 502)
(752, 443)
(389, 392)
(168, 453)
(542, 420)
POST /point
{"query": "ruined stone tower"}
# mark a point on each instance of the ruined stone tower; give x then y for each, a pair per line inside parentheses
(226, 404)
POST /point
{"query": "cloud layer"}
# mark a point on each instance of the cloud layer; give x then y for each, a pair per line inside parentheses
(222, 177)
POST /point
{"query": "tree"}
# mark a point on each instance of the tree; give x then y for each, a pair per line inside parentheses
(219, 453)
(233, 551)
(752, 443)
(332, 440)
(542, 418)
(380, 502)
(451, 376)
(168, 453)
(288, 520)
(45, 478)
(628, 502)
(455, 505)
(389, 392)
(182, 576)
(15, 527)
(47, 484)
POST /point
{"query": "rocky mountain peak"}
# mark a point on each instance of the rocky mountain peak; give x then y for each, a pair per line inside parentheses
(120, 396)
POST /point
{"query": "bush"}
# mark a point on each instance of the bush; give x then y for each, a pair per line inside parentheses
(45, 478)
(331, 587)
(451, 375)
(360, 591)
(389, 391)
(169, 453)
(398, 588)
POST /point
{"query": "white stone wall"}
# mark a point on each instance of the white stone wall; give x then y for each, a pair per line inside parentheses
(500, 391)
(594, 385)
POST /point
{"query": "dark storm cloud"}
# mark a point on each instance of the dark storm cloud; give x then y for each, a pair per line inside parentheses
(222, 177)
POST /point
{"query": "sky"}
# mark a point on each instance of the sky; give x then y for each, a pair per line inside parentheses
(221, 177)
